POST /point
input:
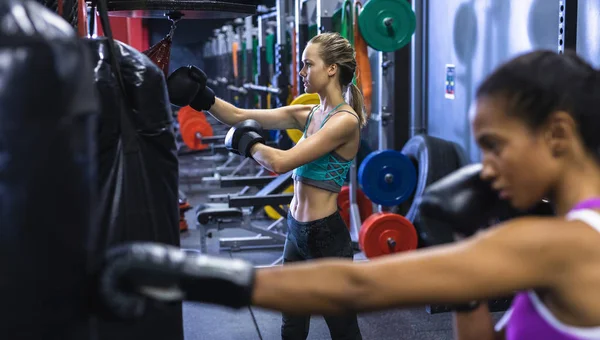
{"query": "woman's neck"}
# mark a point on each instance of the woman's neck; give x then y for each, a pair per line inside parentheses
(330, 100)
(576, 185)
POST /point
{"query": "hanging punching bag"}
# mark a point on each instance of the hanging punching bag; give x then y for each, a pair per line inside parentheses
(138, 169)
(47, 125)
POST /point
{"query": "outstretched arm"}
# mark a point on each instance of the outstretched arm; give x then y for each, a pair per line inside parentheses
(187, 86)
(282, 118)
(339, 130)
(521, 254)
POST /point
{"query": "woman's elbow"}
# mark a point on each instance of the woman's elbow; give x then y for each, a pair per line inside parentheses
(279, 169)
(279, 165)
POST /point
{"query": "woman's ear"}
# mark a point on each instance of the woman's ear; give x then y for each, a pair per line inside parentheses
(560, 132)
(332, 70)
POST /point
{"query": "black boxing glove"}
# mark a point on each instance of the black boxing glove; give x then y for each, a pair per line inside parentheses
(463, 202)
(204, 100)
(184, 84)
(137, 273)
(242, 136)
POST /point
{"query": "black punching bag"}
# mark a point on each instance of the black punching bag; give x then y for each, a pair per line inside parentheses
(47, 125)
(138, 171)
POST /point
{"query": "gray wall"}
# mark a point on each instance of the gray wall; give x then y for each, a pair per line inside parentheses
(476, 36)
(588, 31)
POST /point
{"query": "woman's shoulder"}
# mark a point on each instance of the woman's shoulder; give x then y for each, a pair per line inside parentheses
(555, 241)
(346, 110)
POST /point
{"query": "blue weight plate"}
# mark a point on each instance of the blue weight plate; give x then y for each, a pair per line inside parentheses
(387, 177)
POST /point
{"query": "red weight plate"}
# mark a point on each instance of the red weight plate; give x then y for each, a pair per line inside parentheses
(183, 226)
(343, 202)
(186, 113)
(379, 229)
(189, 130)
(365, 207)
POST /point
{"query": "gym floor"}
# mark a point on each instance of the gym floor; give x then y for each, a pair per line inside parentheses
(203, 321)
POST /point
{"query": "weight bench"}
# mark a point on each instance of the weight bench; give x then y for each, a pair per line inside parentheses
(257, 181)
(205, 178)
(233, 215)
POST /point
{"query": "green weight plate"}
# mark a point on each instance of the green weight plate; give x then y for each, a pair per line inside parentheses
(313, 30)
(270, 48)
(336, 20)
(387, 25)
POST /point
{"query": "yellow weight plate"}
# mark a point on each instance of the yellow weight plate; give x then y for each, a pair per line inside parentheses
(272, 213)
(303, 99)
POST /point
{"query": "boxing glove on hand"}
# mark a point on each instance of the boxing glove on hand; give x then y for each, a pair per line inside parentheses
(462, 201)
(137, 273)
(242, 136)
(204, 100)
(184, 84)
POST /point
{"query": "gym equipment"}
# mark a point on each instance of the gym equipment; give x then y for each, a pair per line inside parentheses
(48, 176)
(138, 167)
(232, 216)
(345, 21)
(271, 212)
(188, 9)
(387, 177)
(225, 176)
(387, 233)
(433, 159)
(243, 135)
(150, 267)
(237, 181)
(160, 53)
(303, 99)
(184, 206)
(194, 128)
(462, 202)
(387, 25)
(365, 206)
(364, 79)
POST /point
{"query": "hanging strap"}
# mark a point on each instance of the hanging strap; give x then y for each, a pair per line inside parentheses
(128, 133)
(346, 24)
(294, 92)
(234, 56)
(347, 27)
(82, 18)
(363, 69)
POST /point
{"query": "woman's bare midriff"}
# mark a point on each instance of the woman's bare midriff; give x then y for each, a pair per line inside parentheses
(311, 203)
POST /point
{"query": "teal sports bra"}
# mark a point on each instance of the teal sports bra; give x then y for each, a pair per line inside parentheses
(329, 171)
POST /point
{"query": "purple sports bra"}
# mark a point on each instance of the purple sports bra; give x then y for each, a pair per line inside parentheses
(529, 319)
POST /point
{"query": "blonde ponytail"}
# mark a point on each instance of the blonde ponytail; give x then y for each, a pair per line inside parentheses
(355, 99)
(335, 49)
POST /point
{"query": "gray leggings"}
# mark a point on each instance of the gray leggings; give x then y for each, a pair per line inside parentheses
(326, 237)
